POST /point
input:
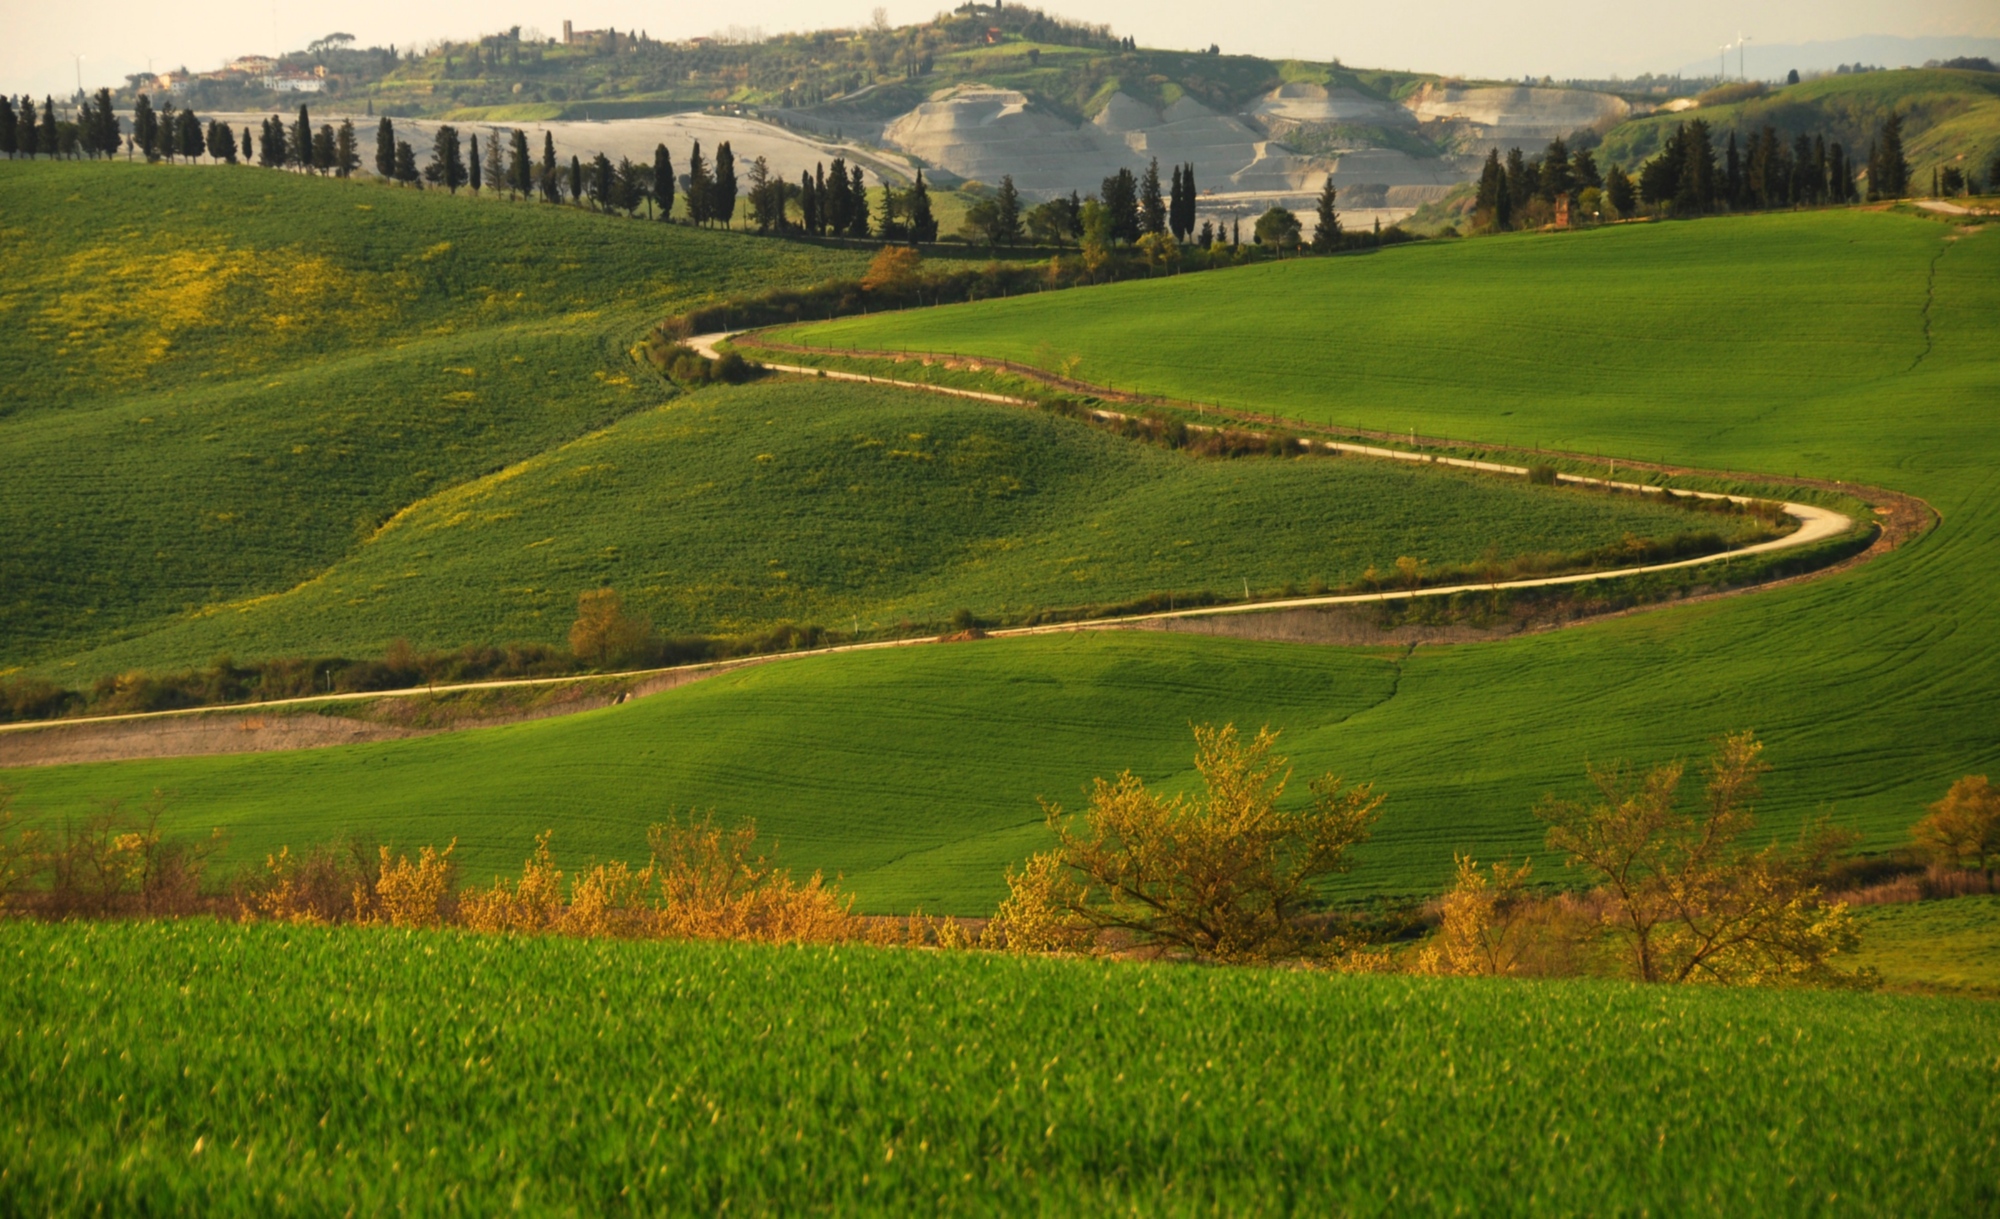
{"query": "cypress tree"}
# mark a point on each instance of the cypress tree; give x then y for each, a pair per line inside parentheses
(923, 225)
(406, 165)
(1174, 204)
(248, 152)
(551, 188)
(1732, 174)
(603, 190)
(447, 165)
(1007, 212)
(699, 192)
(1152, 209)
(105, 125)
(520, 166)
(663, 181)
(1888, 172)
(48, 139)
(10, 126)
(808, 203)
(1618, 189)
(144, 127)
(168, 133)
(836, 196)
(302, 138)
(385, 149)
(1326, 233)
(857, 207)
(1556, 179)
(192, 145)
(1697, 176)
(724, 207)
(324, 150)
(478, 176)
(819, 190)
(1493, 204)
(346, 155)
(1519, 185)
(575, 179)
(1120, 195)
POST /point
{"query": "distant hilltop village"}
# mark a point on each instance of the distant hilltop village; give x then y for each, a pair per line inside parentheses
(246, 70)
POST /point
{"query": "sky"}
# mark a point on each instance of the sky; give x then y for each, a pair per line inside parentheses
(1465, 37)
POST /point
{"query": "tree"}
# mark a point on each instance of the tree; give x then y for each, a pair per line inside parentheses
(1225, 876)
(1695, 191)
(520, 165)
(724, 206)
(346, 150)
(601, 182)
(10, 127)
(808, 203)
(406, 164)
(837, 198)
(166, 135)
(1618, 191)
(1888, 172)
(631, 188)
(385, 149)
(145, 128)
(1096, 237)
(104, 127)
(1481, 931)
(478, 173)
(575, 179)
(447, 167)
(221, 142)
(191, 143)
(1556, 177)
(1519, 185)
(763, 213)
(923, 225)
(299, 151)
(1326, 229)
(1689, 903)
(247, 153)
(1152, 209)
(604, 634)
(551, 178)
(663, 181)
(1277, 228)
(324, 151)
(1007, 213)
(857, 211)
(1120, 196)
(700, 192)
(1493, 205)
(1963, 829)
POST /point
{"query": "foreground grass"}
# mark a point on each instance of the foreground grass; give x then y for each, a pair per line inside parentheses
(451, 1074)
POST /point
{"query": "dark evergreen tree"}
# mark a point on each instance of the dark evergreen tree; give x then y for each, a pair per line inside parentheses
(385, 148)
(1583, 170)
(1493, 205)
(819, 191)
(551, 175)
(1120, 197)
(1732, 173)
(923, 225)
(1152, 208)
(520, 165)
(1556, 178)
(300, 152)
(325, 152)
(478, 176)
(1520, 184)
(1695, 191)
(10, 127)
(1174, 204)
(724, 206)
(271, 143)
(857, 208)
(169, 145)
(248, 152)
(601, 184)
(145, 128)
(663, 181)
(890, 227)
(1007, 213)
(104, 129)
(700, 191)
(1802, 188)
(836, 199)
(49, 138)
(1326, 230)
(575, 179)
(1888, 172)
(406, 165)
(1618, 189)
(447, 167)
(808, 203)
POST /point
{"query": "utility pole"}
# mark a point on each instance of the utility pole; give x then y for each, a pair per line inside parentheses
(1741, 71)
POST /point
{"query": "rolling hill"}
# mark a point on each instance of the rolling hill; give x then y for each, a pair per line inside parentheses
(1719, 343)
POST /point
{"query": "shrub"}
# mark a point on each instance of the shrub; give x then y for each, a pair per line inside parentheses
(1963, 829)
(1542, 474)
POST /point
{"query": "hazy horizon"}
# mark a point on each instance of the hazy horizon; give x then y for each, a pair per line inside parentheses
(1453, 37)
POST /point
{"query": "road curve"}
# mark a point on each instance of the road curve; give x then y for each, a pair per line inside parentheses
(1816, 524)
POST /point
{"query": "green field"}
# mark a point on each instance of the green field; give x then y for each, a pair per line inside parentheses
(224, 379)
(859, 507)
(453, 1074)
(1949, 945)
(1781, 344)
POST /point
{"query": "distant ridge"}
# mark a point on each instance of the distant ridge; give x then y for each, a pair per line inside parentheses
(1875, 50)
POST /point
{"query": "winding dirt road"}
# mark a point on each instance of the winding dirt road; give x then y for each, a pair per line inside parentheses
(1815, 524)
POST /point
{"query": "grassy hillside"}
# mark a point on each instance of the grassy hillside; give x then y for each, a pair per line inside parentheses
(223, 380)
(838, 505)
(1783, 343)
(550, 1076)
(1949, 117)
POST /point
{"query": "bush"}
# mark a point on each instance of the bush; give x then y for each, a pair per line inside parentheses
(1542, 474)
